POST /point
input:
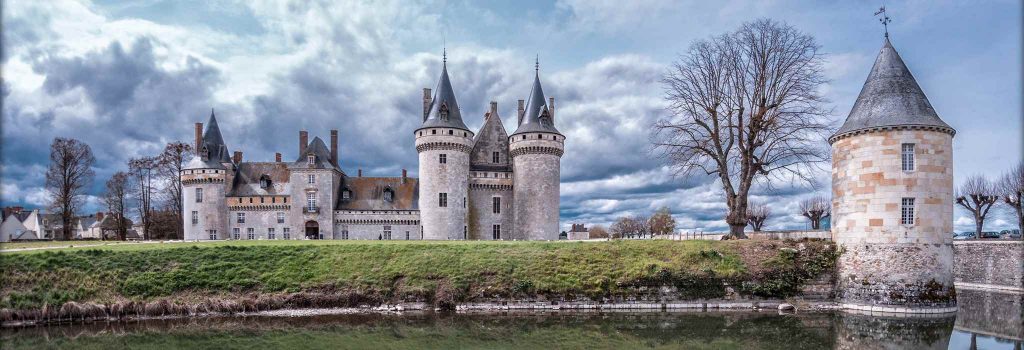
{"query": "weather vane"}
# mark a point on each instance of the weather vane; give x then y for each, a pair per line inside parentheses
(885, 19)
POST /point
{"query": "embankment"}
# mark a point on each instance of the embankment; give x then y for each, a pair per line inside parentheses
(54, 286)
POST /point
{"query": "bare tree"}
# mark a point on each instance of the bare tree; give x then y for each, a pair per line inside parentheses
(977, 194)
(746, 107)
(116, 199)
(626, 227)
(171, 163)
(70, 172)
(598, 231)
(642, 225)
(662, 222)
(814, 209)
(142, 171)
(1011, 189)
(757, 214)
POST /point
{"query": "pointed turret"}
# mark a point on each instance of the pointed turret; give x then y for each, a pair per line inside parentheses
(890, 98)
(444, 109)
(537, 116)
(213, 142)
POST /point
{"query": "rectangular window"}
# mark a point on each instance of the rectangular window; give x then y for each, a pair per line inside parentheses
(496, 232)
(407, 235)
(250, 233)
(241, 218)
(465, 232)
(387, 231)
(286, 232)
(495, 156)
(442, 200)
(443, 158)
(344, 233)
(235, 234)
(463, 202)
(195, 217)
(907, 211)
(496, 203)
(213, 234)
(311, 159)
(907, 157)
(199, 195)
(311, 201)
(271, 234)
(311, 179)
(280, 217)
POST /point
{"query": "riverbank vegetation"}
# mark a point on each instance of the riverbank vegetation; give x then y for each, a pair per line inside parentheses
(251, 275)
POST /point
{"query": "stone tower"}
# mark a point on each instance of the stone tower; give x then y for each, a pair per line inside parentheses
(443, 143)
(205, 180)
(536, 148)
(892, 196)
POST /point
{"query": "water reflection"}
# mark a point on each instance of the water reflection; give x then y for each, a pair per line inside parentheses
(986, 321)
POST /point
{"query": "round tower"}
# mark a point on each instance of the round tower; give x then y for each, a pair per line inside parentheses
(205, 180)
(536, 148)
(892, 185)
(443, 143)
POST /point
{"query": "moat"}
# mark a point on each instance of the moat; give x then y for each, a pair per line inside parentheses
(986, 321)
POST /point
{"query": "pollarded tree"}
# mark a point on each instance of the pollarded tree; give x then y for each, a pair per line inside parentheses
(116, 199)
(814, 209)
(757, 214)
(1011, 189)
(69, 174)
(746, 107)
(662, 223)
(977, 194)
(170, 164)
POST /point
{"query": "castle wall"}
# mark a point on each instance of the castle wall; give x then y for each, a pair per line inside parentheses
(211, 211)
(371, 225)
(886, 263)
(536, 171)
(451, 177)
(261, 220)
(483, 187)
(325, 186)
(989, 265)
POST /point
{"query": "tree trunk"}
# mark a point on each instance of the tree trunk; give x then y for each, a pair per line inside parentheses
(979, 222)
(736, 231)
(1020, 221)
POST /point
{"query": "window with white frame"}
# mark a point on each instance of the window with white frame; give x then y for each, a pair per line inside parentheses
(496, 204)
(311, 179)
(213, 234)
(344, 232)
(387, 231)
(240, 218)
(199, 195)
(346, 194)
(271, 234)
(311, 159)
(496, 231)
(907, 157)
(250, 233)
(495, 156)
(442, 200)
(286, 233)
(280, 217)
(195, 217)
(311, 200)
(235, 234)
(907, 211)
(407, 235)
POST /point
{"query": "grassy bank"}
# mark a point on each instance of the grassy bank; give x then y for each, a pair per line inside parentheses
(348, 273)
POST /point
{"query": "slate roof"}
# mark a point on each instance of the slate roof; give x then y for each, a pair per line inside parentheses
(536, 117)
(444, 96)
(214, 142)
(367, 193)
(491, 138)
(890, 97)
(323, 155)
(247, 179)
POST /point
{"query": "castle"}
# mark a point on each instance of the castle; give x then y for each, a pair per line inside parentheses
(487, 185)
(892, 196)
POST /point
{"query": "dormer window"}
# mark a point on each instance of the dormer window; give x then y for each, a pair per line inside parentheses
(389, 194)
(311, 160)
(205, 153)
(265, 181)
(346, 194)
(443, 112)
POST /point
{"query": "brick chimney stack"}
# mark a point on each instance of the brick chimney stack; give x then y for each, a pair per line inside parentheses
(334, 147)
(303, 141)
(238, 157)
(360, 173)
(199, 137)
(494, 108)
(405, 174)
(426, 103)
(522, 110)
(99, 216)
(277, 157)
(551, 109)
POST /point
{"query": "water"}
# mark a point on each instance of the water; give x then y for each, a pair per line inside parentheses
(986, 321)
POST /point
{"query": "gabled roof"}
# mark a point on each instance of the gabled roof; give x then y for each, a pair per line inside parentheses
(491, 138)
(537, 117)
(890, 97)
(247, 179)
(322, 153)
(444, 98)
(367, 193)
(214, 142)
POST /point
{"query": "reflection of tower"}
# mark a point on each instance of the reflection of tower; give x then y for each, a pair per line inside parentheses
(536, 148)
(892, 183)
(873, 331)
(204, 182)
(443, 143)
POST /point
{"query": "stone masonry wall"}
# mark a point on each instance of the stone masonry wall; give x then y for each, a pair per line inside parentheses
(536, 167)
(359, 224)
(886, 262)
(481, 216)
(451, 177)
(211, 211)
(989, 265)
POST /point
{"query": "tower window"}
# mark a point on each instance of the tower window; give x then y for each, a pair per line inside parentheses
(907, 157)
(496, 203)
(195, 217)
(496, 232)
(907, 211)
(240, 218)
(442, 200)
(280, 217)
(495, 156)
(199, 195)
(451, 132)
(311, 159)
(387, 231)
(443, 158)
(311, 179)
(443, 112)
(433, 132)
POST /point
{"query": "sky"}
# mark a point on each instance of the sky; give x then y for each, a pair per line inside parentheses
(127, 77)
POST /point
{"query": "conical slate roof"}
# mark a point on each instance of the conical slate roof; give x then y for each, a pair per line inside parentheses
(537, 118)
(214, 142)
(444, 97)
(891, 98)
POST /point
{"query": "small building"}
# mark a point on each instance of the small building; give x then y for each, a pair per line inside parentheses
(579, 231)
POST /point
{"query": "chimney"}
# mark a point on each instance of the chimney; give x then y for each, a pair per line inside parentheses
(405, 175)
(238, 157)
(360, 174)
(522, 110)
(199, 137)
(494, 108)
(277, 157)
(551, 109)
(303, 141)
(334, 147)
(99, 216)
(426, 103)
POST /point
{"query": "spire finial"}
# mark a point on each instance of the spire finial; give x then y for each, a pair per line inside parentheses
(444, 56)
(536, 64)
(885, 19)
(211, 111)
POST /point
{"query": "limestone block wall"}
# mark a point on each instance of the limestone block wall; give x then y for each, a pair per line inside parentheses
(536, 167)
(211, 210)
(886, 262)
(325, 186)
(989, 265)
(261, 220)
(483, 188)
(371, 225)
(450, 177)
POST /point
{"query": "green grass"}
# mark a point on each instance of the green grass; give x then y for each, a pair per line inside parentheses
(401, 270)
